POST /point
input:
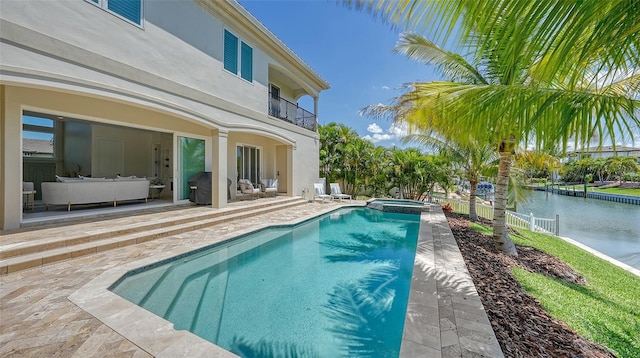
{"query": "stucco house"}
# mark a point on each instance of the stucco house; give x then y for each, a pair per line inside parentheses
(150, 88)
(605, 152)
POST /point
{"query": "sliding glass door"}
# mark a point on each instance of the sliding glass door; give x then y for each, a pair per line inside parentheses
(248, 163)
(191, 161)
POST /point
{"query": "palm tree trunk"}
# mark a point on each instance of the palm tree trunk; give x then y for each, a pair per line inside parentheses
(473, 216)
(500, 235)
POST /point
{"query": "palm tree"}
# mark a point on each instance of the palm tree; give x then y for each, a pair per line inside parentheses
(334, 140)
(501, 98)
(619, 165)
(474, 159)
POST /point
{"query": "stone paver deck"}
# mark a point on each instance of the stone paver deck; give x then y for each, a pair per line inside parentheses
(44, 312)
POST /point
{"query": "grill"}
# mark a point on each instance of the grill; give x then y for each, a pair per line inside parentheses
(200, 186)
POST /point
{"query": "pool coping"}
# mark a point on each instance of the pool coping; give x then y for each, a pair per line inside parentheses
(445, 317)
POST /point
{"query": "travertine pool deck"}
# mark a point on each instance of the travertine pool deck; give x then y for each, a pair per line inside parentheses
(44, 312)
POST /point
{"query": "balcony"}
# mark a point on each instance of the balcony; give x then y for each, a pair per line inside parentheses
(292, 113)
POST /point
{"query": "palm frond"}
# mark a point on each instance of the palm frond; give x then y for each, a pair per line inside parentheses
(454, 66)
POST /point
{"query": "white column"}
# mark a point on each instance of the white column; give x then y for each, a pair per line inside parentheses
(315, 108)
(290, 178)
(10, 160)
(219, 169)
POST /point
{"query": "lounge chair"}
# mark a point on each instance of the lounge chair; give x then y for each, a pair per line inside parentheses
(246, 188)
(336, 193)
(320, 194)
(269, 186)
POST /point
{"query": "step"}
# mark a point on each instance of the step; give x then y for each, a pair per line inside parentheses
(182, 216)
(52, 255)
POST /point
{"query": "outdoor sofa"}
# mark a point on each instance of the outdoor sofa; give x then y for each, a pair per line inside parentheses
(70, 191)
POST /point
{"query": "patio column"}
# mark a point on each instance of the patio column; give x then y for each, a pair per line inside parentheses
(291, 187)
(10, 160)
(315, 107)
(219, 169)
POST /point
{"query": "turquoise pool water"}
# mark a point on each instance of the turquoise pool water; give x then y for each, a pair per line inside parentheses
(333, 286)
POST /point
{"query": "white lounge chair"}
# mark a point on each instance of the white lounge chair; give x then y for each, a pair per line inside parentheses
(336, 193)
(269, 186)
(246, 188)
(320, 194)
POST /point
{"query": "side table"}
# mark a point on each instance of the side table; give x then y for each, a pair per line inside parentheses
(157, 189)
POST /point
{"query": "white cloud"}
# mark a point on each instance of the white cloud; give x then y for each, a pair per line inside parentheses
(385, 87)
(395, 131)
(399, 129)
(374, 128)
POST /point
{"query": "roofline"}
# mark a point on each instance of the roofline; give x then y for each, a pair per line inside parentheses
(234, 12)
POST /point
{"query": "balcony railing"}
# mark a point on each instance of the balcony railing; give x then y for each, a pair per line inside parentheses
(292, 113)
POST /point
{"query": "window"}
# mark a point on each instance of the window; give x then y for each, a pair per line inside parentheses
(248, 163)
(246, 60)
(37, 137)
(231, 52)
(128, 9)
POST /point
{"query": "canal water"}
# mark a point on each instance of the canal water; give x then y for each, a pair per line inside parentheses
(609, 227)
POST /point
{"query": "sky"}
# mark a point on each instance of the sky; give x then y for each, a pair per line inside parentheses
(353, 52)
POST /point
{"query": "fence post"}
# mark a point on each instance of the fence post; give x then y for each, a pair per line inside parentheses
(557, 225)
(532, 223)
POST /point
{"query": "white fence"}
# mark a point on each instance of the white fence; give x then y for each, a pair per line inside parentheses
(513, 219)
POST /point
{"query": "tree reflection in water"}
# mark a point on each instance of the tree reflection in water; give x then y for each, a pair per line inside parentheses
(367, 313)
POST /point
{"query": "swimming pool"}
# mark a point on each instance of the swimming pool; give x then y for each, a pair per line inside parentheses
(336, 285)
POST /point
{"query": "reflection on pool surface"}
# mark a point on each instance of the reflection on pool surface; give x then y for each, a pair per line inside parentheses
(336, 285)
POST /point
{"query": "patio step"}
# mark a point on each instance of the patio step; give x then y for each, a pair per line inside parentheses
(43, 252)
(30, 242)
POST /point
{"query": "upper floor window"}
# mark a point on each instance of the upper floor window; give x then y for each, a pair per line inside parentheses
(233, 47)
(127, 9)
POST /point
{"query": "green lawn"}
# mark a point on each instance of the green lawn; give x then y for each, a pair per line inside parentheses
(619, 191)
(606, 310)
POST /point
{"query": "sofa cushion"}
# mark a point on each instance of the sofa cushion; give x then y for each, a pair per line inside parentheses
(60, 179)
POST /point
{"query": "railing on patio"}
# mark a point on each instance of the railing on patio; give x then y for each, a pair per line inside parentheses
(513, 219)
(292, 113)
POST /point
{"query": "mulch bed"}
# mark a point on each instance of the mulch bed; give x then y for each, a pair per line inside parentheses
(522, 326)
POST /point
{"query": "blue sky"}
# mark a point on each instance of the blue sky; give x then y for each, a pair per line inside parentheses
(349, 49)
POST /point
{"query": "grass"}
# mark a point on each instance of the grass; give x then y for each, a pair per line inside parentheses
(619, 191)
(606, 310)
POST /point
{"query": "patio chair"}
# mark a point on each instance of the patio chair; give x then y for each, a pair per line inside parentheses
(320, 194)
(336, 193)
(246, 188)
(269, 186)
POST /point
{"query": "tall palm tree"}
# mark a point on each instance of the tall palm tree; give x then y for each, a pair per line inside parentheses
(474, 159)
(501, 98)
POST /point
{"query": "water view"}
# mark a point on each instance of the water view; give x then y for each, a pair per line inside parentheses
(609, 227)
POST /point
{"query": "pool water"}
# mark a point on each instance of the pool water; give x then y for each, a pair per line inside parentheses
(333, 286)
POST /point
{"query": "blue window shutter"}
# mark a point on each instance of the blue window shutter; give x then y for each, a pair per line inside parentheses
(129, 9)
(246, 58)
(230, 52)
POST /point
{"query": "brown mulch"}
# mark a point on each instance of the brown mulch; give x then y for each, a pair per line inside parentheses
(522, 326)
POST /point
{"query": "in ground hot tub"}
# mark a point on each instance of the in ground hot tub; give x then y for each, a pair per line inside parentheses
(403, 206)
